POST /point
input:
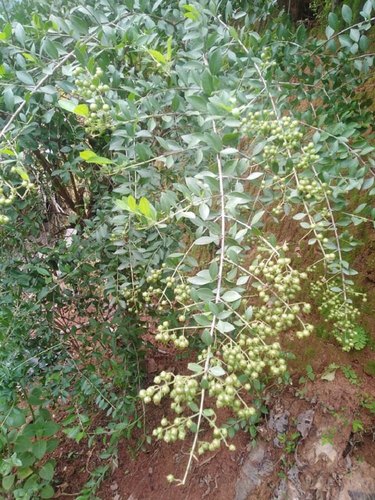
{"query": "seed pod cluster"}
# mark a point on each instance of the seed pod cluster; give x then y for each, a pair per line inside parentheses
(308, 157)
(266, 58)
(158, 293)
(341, 312)
(184, 391)
(8, 191)
(4, 219)
(240, 361)
(310, 189)
(226, 391)
(91, 88)
(284, 137)
(281, 133)
(166, 335)
(6, 199)
(277, 284)
(161, 294)
(251, 356)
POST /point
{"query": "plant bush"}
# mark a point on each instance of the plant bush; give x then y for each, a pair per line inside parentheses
(170, 139)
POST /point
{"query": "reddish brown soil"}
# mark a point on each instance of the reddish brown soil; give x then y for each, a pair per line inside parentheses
(145, 478)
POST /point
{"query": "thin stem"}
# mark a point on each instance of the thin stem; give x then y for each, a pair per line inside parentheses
(217, 300)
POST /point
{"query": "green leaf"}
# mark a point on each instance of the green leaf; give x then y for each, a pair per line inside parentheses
(249, 313)
(132, 204)
(52, 444)
(9, 99)
(354, 34)
(47, 471)
(43, 272)
(169, 48)
(367, 9)
(256, 218)
(16, 418)
(213, 270)
(217, 371)
(7, 33)
(333, 21)
(48, 115)
(255, 175)
(202, 319)
(213, 141)
(90, 157)
(207, 338)
(158, 56)
(329, 32)
(299, 216)
(50, 428)
(24, 472)
(231, 296)
(22, 443)
(128, 203)
(81, 110)
(345, 41)
(364, 43)
(233, 33)
(204, 211)
(206, 240)
(191, 12)
(25, 77)
(204, 294)
(204, 383)
(224, 326)
(87, 155)
(194, 367)
(215, 62)
(75, 433)
(50, 48)
(193, 406)
(39, 448)
(146, 208)
(20, 33)
(47, 492)
(199, 280)
(347, 13)
(198, 103)
(8, 482)
(207, 83)
(67, 105)
(208, 412)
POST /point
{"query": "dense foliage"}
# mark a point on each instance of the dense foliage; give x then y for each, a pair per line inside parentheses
(149, 151)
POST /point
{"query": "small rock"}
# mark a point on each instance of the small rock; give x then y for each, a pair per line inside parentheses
(304, 422)
(280, 490)
(326, 450)
(294, 484)
(279, 422)
(359, 484)
(255, 468)
(114, 486)
(286, 491)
